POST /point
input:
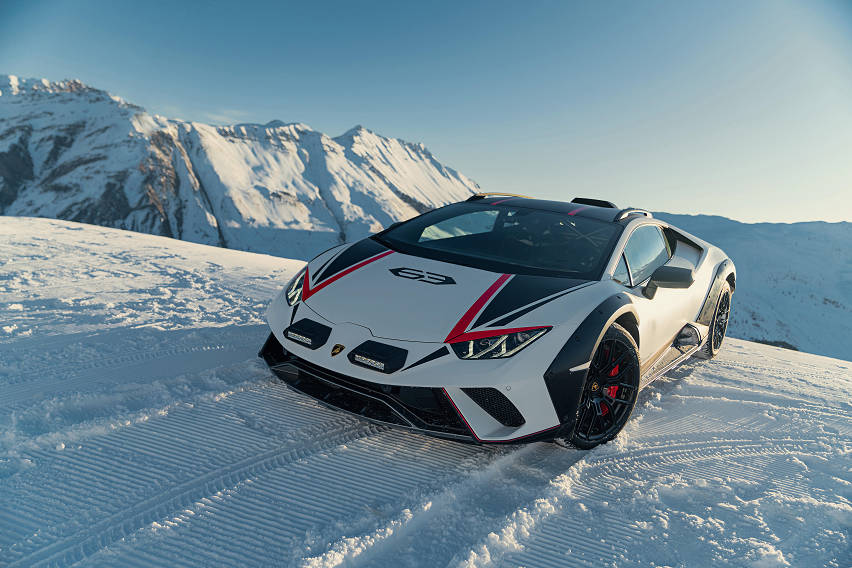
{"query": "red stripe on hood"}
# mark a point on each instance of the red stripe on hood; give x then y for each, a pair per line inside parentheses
(468, 316)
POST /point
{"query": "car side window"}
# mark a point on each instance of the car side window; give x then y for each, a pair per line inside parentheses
(645, 252)
(621, 275)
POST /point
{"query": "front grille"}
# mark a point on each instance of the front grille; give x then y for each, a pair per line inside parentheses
(423, 408)
(497, 405)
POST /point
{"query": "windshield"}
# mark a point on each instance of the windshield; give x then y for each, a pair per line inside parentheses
(517, 240)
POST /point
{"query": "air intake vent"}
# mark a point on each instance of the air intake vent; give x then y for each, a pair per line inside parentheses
(497, 405)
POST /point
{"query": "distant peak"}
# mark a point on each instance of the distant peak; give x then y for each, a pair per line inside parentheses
(358, 129)
(15, 85)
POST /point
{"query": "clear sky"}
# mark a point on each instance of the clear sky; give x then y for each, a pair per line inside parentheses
(737, 108)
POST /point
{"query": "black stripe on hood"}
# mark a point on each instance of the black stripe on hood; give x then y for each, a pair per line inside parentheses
(361, 250)
(521, 291)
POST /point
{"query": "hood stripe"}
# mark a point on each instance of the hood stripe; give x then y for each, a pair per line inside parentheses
(307, 291)
(468, 316)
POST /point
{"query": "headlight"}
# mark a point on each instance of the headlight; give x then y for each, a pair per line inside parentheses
(294, 288)
(497, 346)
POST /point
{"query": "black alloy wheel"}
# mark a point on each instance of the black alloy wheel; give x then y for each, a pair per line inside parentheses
(609, 394)
(719, 325)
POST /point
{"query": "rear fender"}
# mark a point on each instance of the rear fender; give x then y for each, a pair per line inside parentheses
(725, 269)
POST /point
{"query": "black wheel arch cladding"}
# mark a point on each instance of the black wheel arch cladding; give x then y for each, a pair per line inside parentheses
(723, 273)
(565, 386)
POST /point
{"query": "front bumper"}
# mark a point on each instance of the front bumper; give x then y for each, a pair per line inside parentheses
(428, 410)
(424, 409)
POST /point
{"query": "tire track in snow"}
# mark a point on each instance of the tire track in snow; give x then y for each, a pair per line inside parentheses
(283, 515)
(558, 537)
(111, 528)
(92, 371)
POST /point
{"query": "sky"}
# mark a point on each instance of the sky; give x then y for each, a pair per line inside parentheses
(741, 109)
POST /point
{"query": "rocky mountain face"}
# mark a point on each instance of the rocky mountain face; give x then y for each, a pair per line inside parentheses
(70, 151)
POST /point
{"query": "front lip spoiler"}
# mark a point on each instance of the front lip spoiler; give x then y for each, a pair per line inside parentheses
(281, 369)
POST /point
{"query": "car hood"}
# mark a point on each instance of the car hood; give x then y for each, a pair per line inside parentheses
(399, 296)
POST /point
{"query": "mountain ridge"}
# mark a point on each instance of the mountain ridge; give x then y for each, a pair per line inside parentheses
(74, 152)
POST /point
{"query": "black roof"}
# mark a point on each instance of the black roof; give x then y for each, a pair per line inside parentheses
(609, 214)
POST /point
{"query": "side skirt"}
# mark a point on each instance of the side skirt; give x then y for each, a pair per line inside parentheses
(684, 346)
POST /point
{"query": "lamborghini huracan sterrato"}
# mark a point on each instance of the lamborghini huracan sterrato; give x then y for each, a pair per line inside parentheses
(502, 319)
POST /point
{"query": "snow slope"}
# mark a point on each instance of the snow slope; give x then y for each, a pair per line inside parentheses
(794, 280)
(138, 428)
(69, 151)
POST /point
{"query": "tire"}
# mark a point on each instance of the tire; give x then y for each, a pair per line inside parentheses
(610, 391)
(719, 325)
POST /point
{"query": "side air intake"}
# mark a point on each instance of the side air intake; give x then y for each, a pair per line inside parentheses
(497, 405)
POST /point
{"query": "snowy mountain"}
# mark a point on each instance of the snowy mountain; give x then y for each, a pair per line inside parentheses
(69, 151)
(139, 428)
(794, 280)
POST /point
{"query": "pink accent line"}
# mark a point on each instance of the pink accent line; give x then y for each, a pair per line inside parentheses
(472, 335)
(502, 200)
(475, 437)
(575, 211)
(472, 433)
(307, 291)
(468, 316)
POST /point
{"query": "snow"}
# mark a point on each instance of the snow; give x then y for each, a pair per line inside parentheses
(72, 152)
(138, 427)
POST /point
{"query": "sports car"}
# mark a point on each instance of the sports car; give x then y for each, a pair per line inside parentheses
(502, 319)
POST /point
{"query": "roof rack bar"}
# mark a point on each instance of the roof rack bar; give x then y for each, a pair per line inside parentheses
(625, 213)
(477, 196)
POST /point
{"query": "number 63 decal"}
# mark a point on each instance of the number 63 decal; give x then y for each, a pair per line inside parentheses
(422, 276)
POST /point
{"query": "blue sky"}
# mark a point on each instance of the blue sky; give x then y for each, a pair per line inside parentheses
(742, 109)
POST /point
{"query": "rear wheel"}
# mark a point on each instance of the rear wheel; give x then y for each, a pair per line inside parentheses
(719, 325)
(609, 394)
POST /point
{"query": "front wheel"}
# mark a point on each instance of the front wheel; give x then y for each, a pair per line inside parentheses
(609, 394)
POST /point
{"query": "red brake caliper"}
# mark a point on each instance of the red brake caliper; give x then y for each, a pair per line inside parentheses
(613, 390)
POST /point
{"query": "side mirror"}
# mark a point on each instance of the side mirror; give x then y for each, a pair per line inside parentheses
(668, 277)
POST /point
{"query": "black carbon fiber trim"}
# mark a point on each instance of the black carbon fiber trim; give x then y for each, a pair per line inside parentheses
(497, 405)
(705, 316)
(522, 290)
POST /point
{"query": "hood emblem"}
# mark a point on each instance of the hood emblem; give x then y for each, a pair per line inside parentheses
(422, 276)
(337, 349)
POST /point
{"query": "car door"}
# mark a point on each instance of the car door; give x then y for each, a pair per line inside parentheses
(662, 318)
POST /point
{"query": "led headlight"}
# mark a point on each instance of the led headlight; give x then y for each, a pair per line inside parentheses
(497, 346)
(294, 288)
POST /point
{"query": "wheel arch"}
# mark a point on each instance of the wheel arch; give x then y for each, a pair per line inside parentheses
(566, 375)
(628, 321)
(725, 272)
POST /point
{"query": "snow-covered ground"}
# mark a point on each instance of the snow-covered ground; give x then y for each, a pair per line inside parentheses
(138, 428)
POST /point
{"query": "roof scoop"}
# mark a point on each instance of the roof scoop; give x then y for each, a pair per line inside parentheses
(594, 202)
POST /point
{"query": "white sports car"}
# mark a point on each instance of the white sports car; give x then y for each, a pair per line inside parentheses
(502, 319)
